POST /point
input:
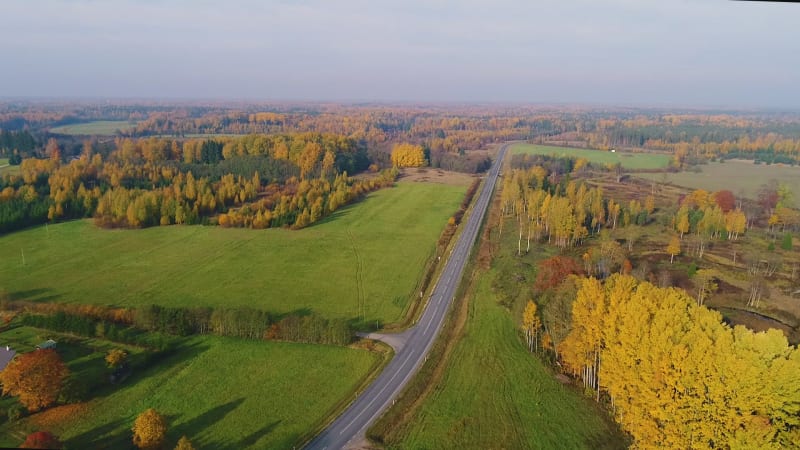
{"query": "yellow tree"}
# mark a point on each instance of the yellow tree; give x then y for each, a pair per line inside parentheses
(682, 221)
(531, 325)
(184, 444)
(149, 430)
(673, 248)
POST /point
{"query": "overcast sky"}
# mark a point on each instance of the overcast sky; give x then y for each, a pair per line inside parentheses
(663, 52)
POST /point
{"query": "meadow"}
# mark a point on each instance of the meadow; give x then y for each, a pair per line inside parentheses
(627, 160)
(220, 392)
(743, 178)
(363, 261)
(494, 394)
(94, 128)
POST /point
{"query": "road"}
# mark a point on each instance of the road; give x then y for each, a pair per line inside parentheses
(379, 395)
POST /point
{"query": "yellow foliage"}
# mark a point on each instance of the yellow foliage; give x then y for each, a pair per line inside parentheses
(408, 155)
(149, 430)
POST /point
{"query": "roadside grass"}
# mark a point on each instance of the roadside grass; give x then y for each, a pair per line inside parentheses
(362, 262)
(627, 160)
(484, 389)
(743, 178)
(494, 394)
(95, 128)
(220, 392)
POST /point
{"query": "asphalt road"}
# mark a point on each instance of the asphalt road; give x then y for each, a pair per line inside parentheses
(379, 395)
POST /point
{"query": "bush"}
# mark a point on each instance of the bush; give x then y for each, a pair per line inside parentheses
(786, 243)
(15, 413)
(691, 269)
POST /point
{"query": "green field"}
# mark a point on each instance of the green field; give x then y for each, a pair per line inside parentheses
(377, 247)
(220, 392)
(494, 394)
(740, 177)
(628, 160)
(95, 128)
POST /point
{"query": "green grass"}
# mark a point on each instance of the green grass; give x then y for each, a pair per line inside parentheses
(628, 160)
(221, 393)
(382, 241)
(494, 394)
(740, 177)
(96, 128)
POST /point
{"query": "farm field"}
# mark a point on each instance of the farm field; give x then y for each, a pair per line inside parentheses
(741, 177)
(513, 401)
(97, 128)
(628, 160)
(220, 392)
(365, 260)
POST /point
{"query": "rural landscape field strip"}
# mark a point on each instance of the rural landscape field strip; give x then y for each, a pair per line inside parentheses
(95, 128)
(276, 270)
(627, 160)
(744, 178)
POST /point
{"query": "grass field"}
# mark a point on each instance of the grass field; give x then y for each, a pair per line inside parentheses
(494, 394)
(628, 160)
(377, 247)
(96, 128)
(740, 177)
(220, 392)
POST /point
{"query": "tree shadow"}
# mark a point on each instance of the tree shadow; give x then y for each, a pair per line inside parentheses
(34, 295)
(251, 439)
(338, 214)
(112, 435)
(196, 425)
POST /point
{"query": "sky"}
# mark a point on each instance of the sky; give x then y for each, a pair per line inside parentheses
(617, 52)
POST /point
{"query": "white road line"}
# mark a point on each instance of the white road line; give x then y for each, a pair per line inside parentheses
(400, 369)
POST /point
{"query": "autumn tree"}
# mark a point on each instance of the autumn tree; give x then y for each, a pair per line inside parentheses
(552, 271)
(184, 444)
(408, 155)
(704, 280)
(42, 440)
(149, 430)
(116, 358)
(725, 200)
(673, 248)
(37, 377)
(531, 325)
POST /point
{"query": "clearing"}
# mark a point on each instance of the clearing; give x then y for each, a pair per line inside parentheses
(744, 178)
(364, 261)
(627, 160)
(94, 128)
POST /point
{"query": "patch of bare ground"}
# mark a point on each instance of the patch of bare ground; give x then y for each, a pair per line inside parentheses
(429, 175)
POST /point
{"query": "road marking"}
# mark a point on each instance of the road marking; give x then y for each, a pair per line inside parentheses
(400, 369)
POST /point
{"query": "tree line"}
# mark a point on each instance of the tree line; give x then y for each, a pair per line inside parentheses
(129, 325)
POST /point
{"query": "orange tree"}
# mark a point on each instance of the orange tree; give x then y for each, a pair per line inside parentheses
(36, 377)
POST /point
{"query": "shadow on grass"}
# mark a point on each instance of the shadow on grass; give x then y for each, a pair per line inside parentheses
(194, 427)
(250, 440)
(112, 435)
(144, 366)
(34, 295)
